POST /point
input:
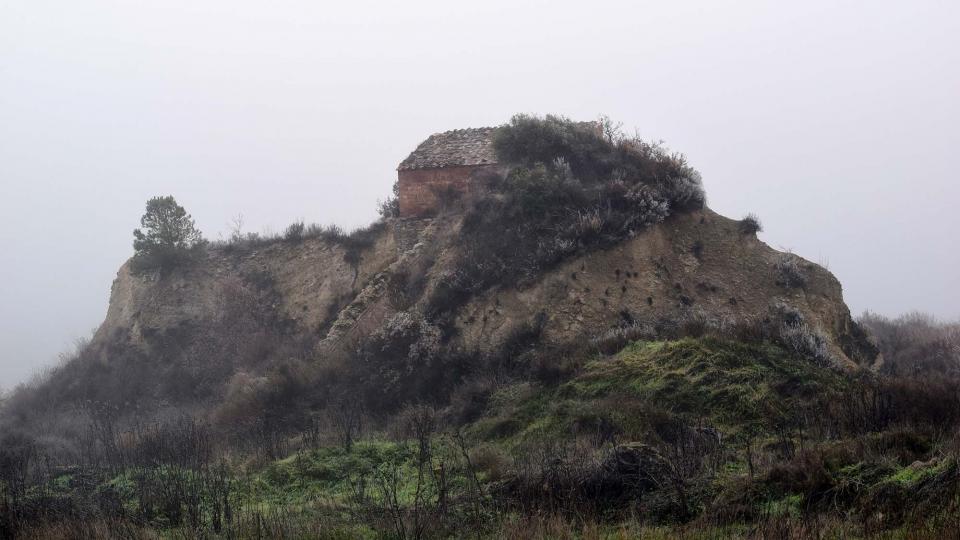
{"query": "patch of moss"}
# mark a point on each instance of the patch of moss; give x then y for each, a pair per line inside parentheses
(913, 475)
(741, 388)
(737, 385)
(789, 506)
(324, 473)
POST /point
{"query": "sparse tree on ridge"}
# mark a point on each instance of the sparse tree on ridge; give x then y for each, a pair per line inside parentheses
(168, 233)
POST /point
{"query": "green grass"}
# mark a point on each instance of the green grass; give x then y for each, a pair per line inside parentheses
(326, 473)
(740, 388)
(913, 475)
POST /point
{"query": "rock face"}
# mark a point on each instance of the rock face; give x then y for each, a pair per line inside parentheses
(693, 265)
(696, 263)
(309, 283)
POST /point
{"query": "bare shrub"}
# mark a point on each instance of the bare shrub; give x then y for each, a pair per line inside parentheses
(294, 232)
(807, 342)
(915, 343)
(419, 423)
(750, 224)
(492, 461)
(332, 233)
(789, 271)
(346, 416)
(469, 401)
(614, 340)
(651, 208)
(685, 192)
(696, 322)
(790, 329)
(402, 361)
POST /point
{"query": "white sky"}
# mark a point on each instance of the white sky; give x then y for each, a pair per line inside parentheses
(838, 122)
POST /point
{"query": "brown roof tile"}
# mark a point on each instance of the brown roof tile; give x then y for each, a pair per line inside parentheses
(453, 148)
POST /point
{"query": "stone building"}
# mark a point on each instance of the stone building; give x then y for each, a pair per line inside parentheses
(444, 165)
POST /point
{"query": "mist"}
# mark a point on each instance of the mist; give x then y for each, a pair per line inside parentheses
(837, 123)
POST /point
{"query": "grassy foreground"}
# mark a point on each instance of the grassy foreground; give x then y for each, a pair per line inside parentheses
(694, 438)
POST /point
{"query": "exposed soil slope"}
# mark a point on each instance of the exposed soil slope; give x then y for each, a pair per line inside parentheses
(696, 264)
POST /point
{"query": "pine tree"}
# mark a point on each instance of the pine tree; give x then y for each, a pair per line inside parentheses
(168, 233)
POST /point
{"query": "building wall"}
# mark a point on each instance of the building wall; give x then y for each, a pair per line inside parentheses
(419, 188)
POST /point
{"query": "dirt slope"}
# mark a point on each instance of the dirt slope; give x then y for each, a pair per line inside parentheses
(697, 263)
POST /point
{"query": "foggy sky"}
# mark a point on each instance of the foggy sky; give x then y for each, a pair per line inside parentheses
(835, 121)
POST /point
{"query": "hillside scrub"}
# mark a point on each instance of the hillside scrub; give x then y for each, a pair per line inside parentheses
(697, 435)
(569, 187)
(353, 242)
(248, 424)
(915, 343)
(737, 387)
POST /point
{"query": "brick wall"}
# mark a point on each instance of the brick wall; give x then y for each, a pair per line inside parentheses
(419, 187)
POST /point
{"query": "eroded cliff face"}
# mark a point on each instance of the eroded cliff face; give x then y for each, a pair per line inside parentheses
(306, 283)
(696, 264)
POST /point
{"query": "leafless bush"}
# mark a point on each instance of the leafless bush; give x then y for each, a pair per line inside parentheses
(576, 478)
(588, 224)
(789, 271)
(790, 329)
(685, 192)
(403, 361)
(915, 343)
(697, 323)
(614, 340)
(492, 461)
(469, 400)
(294, 232)
(183, 442)
(331, 233)
(684, 451)
(750, 224)
(346, 416)
(651, 208)
(807, 342)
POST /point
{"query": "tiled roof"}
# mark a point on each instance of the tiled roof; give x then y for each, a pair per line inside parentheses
(452, 148)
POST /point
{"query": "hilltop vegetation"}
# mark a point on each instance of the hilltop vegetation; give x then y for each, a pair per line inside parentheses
(570, 187)
(577, 348)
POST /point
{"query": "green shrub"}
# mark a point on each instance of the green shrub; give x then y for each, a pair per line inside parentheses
(167, 237)
(598, 153)
(529, 140)
(390, 207)
(166, 224)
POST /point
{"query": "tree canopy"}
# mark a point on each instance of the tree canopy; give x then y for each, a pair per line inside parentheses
(168, 232)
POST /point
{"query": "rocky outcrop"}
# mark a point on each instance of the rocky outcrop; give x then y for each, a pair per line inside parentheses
(693, 264)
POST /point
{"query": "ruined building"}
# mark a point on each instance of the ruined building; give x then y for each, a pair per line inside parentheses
(444, 165)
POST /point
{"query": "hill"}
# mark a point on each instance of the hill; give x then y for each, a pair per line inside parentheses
(573, 335)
